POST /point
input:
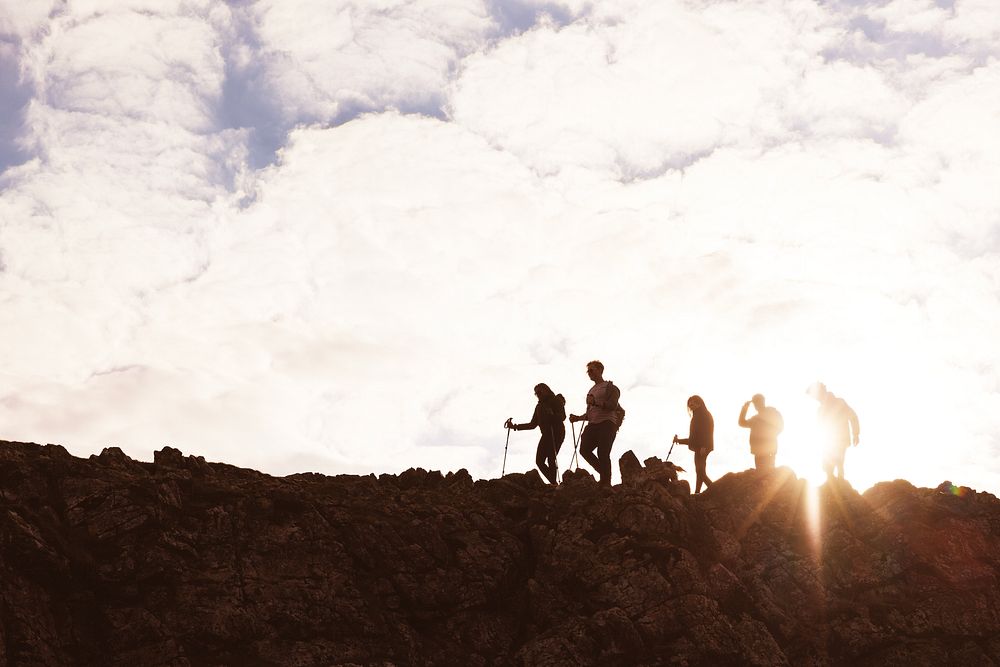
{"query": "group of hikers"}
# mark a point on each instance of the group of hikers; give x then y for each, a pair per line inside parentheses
(838, 423)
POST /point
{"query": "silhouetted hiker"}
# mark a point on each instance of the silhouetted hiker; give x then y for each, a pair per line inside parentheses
(549, 415)
(764, 429)
(604, 416)
(700, 440)
(839, 428)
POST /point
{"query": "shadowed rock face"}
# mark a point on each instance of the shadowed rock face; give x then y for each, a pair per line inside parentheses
(109, 561)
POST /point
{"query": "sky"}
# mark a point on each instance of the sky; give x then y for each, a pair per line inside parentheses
(351, 236)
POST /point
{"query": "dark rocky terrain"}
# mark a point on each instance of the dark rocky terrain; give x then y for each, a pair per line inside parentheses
(110, 561)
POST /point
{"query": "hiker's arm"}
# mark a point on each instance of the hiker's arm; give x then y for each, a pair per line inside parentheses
(532, 424)
(743, 415)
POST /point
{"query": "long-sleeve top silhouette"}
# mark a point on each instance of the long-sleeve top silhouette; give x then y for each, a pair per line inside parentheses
(838, 421)
(547, 417)
(701, 434)
(764, 429)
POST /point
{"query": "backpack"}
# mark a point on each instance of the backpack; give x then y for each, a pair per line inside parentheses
(618, 411)
(559, 407)
(556, 408)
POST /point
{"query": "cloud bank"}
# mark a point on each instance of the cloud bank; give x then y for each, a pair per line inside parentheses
(351, 236)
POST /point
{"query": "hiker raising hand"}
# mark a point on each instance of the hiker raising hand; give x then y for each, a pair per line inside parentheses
(764, 429)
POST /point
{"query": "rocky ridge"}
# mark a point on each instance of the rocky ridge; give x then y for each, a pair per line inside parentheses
(110, 561)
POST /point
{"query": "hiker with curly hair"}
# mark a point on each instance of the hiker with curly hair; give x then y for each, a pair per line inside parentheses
(603, 416)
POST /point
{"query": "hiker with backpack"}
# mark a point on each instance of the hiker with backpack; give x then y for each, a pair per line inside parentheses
(700, 440)
(839, 428)
(549, 415)
(764, 429)
(604, 416)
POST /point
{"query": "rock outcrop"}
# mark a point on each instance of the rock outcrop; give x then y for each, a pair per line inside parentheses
(110, 561)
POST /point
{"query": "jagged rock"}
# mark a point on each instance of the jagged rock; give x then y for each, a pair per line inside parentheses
(111, 561)
(168, 456)
(576, 477)
(113, 456)
(629, 467)
(662, 470)
(459, 479)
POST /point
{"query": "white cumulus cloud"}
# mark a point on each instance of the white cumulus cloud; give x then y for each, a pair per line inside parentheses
(352, 236)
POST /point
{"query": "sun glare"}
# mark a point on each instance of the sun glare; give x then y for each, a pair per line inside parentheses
(800, 442)
(901, 410)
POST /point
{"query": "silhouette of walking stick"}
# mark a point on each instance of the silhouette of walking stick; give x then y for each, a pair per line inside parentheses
(506, 425)
(575, 459)
(671, 451)
(555, 455)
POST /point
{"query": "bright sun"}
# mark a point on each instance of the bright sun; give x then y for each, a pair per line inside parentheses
(893, 443)
(799, 443)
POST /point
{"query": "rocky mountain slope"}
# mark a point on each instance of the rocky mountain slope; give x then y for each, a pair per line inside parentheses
(109, 561)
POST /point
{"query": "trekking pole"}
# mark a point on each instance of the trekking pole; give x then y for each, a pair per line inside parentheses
(555, 454)
(572, 425)
(671, 451)
(506, 425)
(575, 458)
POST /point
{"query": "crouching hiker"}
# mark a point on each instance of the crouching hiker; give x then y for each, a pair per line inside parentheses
(604, 416)
(700, 440)
(549, 415)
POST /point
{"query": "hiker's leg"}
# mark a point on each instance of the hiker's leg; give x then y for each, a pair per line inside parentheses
(700, 462)
(589, 441)
(604, 452)
(699, 469)
(560, 436)
(550, 462)
(543, 458)
(829, 463)
(556, 440)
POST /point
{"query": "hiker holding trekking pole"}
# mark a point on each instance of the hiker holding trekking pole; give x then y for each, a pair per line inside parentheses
(700, 440)
(549, 415)
(604, 416)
